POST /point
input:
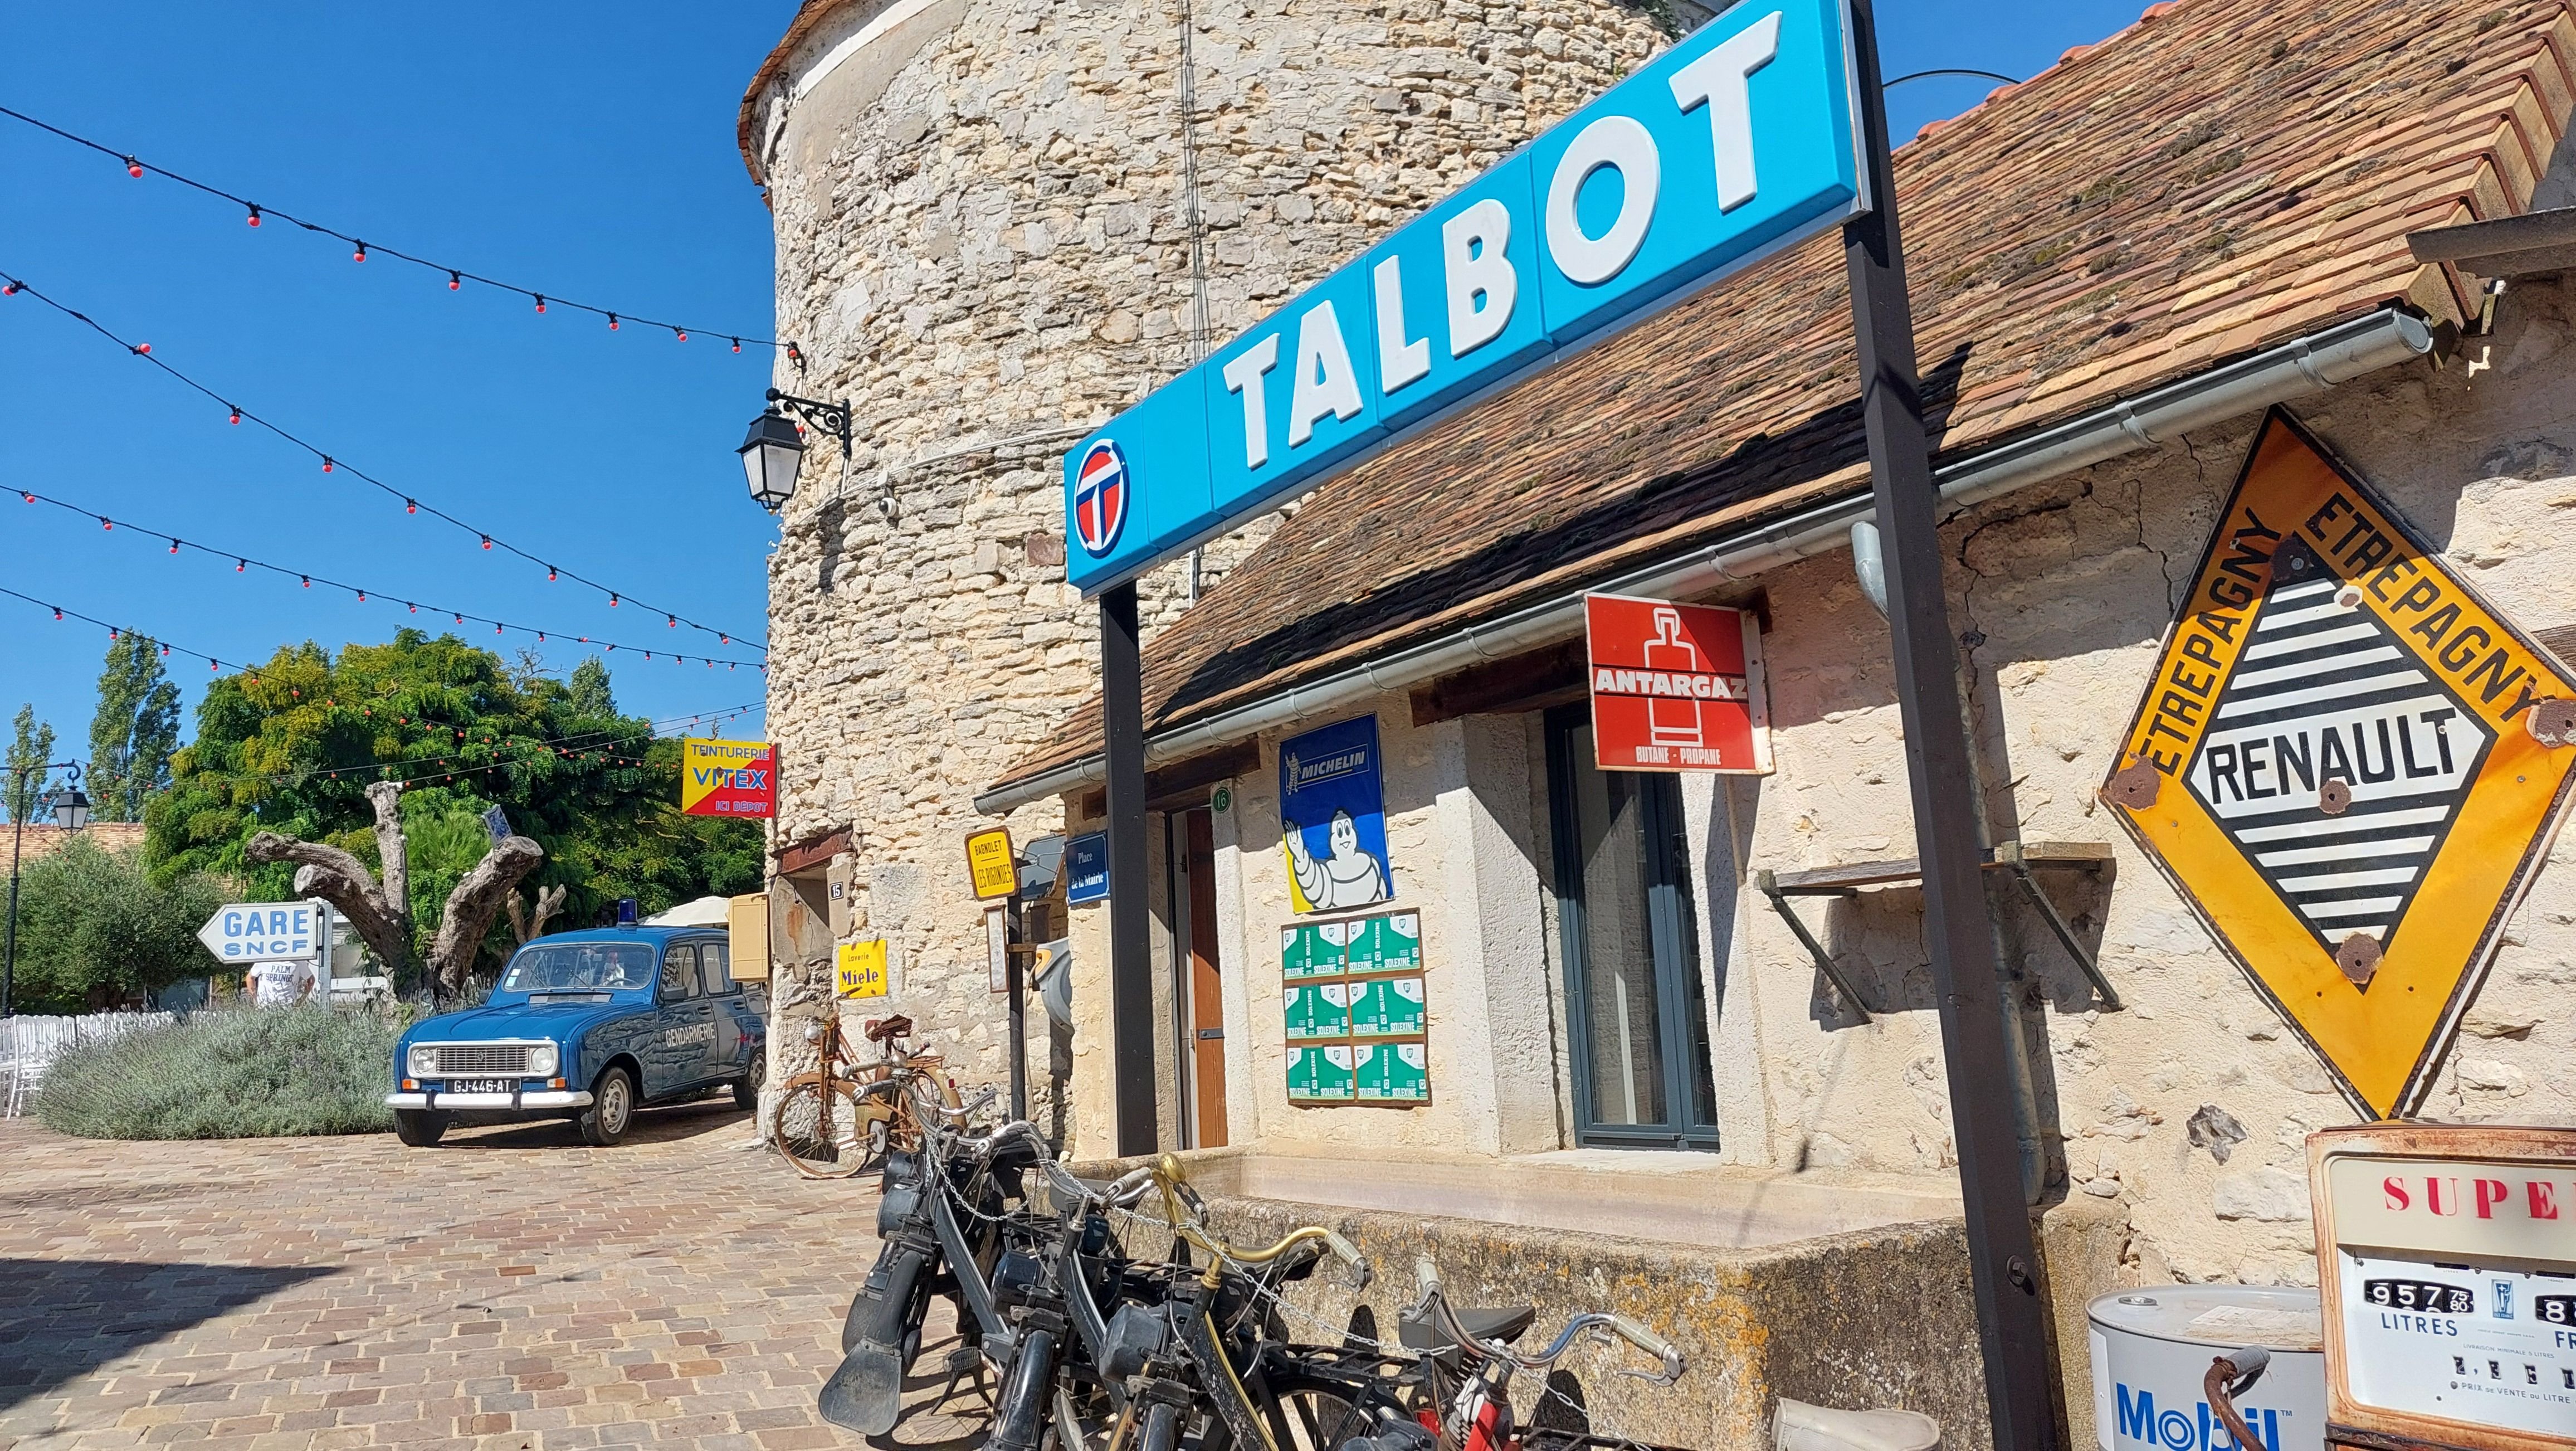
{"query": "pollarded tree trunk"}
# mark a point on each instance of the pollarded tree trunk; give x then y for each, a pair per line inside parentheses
(529, 923)
(473, 905)
(381, 911)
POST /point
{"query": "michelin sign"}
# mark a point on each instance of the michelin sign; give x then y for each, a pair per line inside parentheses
(1741, 139)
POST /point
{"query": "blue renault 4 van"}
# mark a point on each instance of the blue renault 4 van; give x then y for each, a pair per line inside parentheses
(588, 1026)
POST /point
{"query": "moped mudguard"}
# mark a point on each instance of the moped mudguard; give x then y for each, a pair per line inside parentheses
(865, 1394)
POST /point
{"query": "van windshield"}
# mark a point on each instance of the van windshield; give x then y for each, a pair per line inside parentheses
(543, 969)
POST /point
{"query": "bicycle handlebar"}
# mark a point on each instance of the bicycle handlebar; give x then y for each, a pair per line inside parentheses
(1168, 1176)
(1445, 1319)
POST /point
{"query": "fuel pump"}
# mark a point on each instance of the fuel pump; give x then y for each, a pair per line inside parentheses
(2446, 1258)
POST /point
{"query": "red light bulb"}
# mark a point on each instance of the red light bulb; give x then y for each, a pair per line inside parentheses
(143, 350)
(612, 601)
(106, 523)
(133, 167)
(307, 579)
(254, 216)
(411, 506)
(737, 345)
(174, 546)
(240, 564)
(612, 322)
(326, 463)
(58, 613)
(362, 597)
(672, 620)
(487, 541)
(361, 254)
(541, 302)
(454, 282)
(236, 417)
(682, 332)
(550, 569)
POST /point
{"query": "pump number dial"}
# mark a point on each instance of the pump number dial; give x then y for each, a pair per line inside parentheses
(2423, 1295)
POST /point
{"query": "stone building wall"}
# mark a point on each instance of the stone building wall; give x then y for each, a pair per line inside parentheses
(983, 243)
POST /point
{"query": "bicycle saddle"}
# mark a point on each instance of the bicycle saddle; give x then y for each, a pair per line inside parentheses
(1506, 1323)
(897, 1026)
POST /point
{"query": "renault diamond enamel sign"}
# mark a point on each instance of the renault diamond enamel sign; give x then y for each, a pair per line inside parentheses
(2348, 763)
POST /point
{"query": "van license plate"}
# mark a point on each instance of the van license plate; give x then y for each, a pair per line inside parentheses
(481, 1085)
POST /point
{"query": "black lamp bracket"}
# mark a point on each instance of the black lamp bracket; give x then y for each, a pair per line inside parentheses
(831, 418)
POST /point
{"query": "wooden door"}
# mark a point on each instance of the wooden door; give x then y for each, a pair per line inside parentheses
(1206, 991)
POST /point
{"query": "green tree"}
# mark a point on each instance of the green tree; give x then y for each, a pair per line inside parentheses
(29, 751)
(589, 695)
(95, 925)
(292, 745)
(135, 730)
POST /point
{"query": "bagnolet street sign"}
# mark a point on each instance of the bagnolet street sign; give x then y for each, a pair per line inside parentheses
(2349, 764)
(991, 867)
(246, 933)
(1738, 141)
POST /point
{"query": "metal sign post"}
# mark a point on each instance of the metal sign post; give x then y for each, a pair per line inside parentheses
(2012, 1316)
(1131, 969)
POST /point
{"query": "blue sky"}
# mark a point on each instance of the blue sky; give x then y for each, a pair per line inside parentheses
(585, 149)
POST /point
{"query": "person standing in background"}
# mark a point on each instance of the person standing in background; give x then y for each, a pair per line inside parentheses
(278, 984)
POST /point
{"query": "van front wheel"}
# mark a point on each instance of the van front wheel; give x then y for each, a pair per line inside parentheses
(418, 1127)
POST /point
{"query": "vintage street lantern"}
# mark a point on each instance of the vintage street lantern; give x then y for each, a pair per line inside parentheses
(770, 456)
(71, 809)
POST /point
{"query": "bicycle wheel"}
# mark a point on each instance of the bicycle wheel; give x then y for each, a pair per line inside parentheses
(824, 1129)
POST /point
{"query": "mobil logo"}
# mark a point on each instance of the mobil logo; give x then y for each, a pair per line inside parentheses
(1100, 490)
(2140, 1423)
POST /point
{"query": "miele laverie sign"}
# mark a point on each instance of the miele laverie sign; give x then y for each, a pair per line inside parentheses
(1738, 141)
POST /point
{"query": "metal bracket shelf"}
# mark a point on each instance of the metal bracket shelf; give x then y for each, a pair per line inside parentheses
(2020, 859)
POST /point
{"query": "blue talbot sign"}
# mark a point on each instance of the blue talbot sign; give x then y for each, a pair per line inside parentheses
(1738, 141)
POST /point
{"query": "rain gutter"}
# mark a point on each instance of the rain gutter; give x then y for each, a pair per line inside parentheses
(2294, 369)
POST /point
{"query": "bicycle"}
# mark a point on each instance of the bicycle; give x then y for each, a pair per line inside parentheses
(843, 1118)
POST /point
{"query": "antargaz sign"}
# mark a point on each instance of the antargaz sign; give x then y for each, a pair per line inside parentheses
(1738, 141)
(2348, 763)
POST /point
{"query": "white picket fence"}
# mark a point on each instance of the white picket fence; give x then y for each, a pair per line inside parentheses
(28, 1046)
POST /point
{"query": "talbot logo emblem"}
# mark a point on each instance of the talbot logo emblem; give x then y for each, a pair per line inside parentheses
(1100, 490)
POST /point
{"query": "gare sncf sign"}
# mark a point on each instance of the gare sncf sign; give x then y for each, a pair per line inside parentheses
(728, 778)
(1676, 687)
(1739, 140)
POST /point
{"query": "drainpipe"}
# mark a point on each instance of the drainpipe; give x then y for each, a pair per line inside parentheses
(2299, 368)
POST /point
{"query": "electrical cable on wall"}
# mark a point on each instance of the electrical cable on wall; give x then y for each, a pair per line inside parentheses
(243, 563)
(14, 286)
(455, 277)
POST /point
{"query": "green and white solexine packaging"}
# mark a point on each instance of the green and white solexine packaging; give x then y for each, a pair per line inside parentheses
(1394, 1073)
(1387, 1008)
(1319, 1072)
(1386, 944)
(1309, 950)
(1319, 1010)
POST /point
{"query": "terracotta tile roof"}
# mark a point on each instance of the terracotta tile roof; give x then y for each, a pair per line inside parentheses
(2219, 177)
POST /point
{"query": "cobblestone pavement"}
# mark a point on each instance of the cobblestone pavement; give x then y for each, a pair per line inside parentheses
(510, 1289)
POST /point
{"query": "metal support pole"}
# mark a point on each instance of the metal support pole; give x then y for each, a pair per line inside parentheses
(9, 954)
(1018, 1008)
(2003, 1259)
(1131, 969)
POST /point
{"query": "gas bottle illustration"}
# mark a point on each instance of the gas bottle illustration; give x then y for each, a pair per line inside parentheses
(1671, 721)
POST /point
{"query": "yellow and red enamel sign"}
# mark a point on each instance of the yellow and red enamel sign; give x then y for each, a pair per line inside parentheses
(728, 778)
(2348, 763)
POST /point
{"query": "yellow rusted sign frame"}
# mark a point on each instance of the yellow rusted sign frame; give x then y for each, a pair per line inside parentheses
(991, 866)
(2379, 1016)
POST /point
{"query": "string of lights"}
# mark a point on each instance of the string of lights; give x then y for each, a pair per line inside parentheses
(213, 665)
(14, 286)
(578, 747)
(456, 277)
(243, 563)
